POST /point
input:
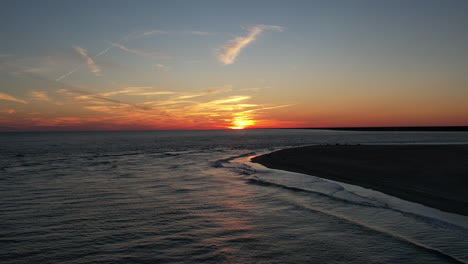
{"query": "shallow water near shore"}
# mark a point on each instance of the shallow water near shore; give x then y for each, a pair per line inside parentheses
(192, 196)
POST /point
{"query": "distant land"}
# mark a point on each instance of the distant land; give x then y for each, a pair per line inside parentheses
(393, 128)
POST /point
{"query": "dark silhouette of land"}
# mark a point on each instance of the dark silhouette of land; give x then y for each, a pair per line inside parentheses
(397, 128)
(432, 175)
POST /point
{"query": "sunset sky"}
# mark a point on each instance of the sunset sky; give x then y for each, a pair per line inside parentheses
(132, 65)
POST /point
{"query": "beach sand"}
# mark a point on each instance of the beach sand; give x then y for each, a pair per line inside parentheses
(432, 175)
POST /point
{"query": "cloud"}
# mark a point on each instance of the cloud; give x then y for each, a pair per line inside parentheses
(90, 62)
(153, 32)
(230, 51)
(172, 32)
(40, 95)
(208, 108)
(2, 55)
(126, 90)
(219, 89)
(153, 93)
(68, 73)
(139, 52)
(7, 97)
(7, 111)
(207, 92)
(104, 51)
(195, 100)
(143, 91)
(138, 91)
(201, 33)
(35, 70)
(27, 65)
(84, 96)
(232, 99)
(162, 67)
(103, 103)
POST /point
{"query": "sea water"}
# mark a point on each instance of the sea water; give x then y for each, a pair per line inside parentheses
(193, 196)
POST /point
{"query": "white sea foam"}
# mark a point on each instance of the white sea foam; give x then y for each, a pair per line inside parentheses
(352, 193)
(191, 196)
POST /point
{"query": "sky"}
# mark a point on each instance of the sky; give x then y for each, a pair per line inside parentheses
(150, 65)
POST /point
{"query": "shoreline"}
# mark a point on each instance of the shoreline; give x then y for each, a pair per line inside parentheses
(432, 175)
(393, 128)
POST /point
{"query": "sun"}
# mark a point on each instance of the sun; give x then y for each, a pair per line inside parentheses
(240, 123)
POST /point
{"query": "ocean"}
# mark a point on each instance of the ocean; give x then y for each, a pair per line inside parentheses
(193, 196)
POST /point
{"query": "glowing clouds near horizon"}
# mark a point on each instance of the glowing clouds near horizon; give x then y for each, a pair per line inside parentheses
(104, 103)
(7, 97)
(151, 108)
(230, 51)
(241, 123)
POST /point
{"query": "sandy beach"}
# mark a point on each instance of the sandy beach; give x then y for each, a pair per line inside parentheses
(432, 175)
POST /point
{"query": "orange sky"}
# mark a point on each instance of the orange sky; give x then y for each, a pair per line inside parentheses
(232, 65)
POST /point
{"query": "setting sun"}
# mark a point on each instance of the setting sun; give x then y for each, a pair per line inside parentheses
(254, 70)
(350, 139)
(241, 123)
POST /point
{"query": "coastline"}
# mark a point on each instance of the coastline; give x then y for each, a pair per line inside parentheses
(431, 175)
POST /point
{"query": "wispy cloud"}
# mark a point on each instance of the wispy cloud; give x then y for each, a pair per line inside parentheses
(137, 91)
(201, 33)
(35, 70)
(219, 89)
(153, 93)
(7, 111)
(172, 32)
(90, 62)
(7, 97)
(68, 73)
(207, 108)
(40, 95)
(26, 65)
(104, 51)
(207, 92)
(103, 102)
(230, 51)
(162, 67)
(5, 55)
(232, 99)
(127, 90)
(153, 32)
(84, 96)
(140, 52)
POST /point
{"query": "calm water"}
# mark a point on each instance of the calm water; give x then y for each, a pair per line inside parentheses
(192, 196)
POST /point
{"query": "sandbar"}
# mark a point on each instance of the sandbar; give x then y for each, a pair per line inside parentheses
(432, 175)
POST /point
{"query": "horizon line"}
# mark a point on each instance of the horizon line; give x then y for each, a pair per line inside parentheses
(356, 128)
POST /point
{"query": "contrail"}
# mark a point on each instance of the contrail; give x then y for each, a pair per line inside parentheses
(65, 75)
(89, 61)
(97, 55)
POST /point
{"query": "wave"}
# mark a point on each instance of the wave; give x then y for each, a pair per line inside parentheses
(307, 183)
(300, 183)
(260, 175)
(222, 162)
(333, 192)
(386, 233)
(256, 180)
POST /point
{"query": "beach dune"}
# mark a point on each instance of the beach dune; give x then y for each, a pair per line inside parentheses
(432, 175)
